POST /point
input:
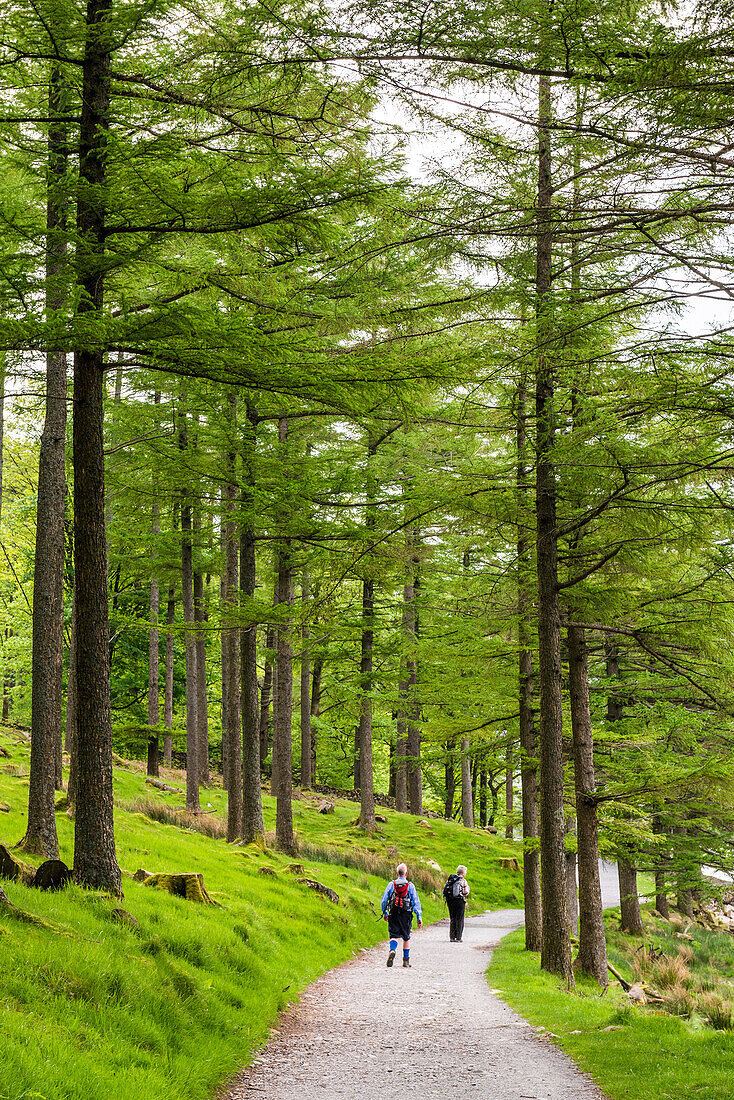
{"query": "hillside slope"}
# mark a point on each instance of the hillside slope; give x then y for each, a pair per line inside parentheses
(92, 1008)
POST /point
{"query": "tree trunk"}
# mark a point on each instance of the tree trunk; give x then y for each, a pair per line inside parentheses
(306, 747)
(202, 707)
(571, 879)
(661, 896)
(411, 627)
(449, 775)
(95, 861)
(154, 714)
(231, 744)
(71, 738)
(168, 690)
(48, 576)
(556, 946)
(187, 599)
(282, 731)
(366, 786)
(629, 902)
(366, 778)
(483, 795)
(592, 953)
(509, 791)
(153, 668)
(318, 668)
(467, 807)
(265, 698)
(223, 655)
(253, 827)
(401, 752)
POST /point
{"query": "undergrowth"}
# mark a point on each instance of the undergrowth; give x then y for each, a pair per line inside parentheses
(637, 1052)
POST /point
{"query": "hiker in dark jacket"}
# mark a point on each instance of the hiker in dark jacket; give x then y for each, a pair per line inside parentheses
(399, 902)
(456, 891)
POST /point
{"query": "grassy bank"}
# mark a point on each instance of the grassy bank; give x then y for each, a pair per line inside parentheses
(95, 1009)
(635, 1053)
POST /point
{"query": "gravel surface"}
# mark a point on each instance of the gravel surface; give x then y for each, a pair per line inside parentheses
(434, 1030)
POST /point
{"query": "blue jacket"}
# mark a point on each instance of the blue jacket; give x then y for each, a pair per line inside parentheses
(412, 894)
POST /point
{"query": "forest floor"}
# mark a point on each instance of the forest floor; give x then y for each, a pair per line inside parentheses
(433, 1030)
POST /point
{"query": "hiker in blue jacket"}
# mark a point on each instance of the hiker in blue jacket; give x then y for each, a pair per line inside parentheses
(399, 902)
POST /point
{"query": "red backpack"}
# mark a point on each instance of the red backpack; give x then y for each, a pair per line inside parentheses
(400, 901)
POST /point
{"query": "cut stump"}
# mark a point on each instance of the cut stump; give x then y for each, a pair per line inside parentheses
(13, 868)
(52, 875)
(189, 886)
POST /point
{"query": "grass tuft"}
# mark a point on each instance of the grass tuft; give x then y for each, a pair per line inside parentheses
(207, 824)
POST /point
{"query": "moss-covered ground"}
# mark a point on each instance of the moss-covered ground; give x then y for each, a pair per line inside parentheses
(97, 1010)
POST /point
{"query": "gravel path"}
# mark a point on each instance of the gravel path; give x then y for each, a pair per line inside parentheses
(435, 1030)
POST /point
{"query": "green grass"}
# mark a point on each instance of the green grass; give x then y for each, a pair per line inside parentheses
(100, 1011)
(647, 1054)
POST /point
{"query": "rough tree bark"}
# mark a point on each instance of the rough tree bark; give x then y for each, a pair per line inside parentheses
(316, 674)
(48, 574)
(231, 744)
(282, 729)
(187, 599)
(450, 779)
(592, 953)
(410, 604)
(661, 895)
(366, 776)
(70, 731)
(253, 827)
(556, 945)
(526, 682)
(153, 638)
(265, 698)
(168, 689)
(95, 861)
(467, 801)
(629, 903)
(509, 789)
(306, 746)
(202, 705)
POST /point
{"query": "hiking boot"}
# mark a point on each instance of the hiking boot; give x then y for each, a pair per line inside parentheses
(406, 962)
(391, 958)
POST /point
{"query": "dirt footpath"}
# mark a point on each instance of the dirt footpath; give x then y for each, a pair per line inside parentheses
(435, 1030)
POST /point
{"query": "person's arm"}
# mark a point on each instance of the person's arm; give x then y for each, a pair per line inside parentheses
(386, 897)
(416, 903)
(467, 891)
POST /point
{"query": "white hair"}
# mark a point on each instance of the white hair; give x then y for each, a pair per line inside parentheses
(461, 869)
(402, 870)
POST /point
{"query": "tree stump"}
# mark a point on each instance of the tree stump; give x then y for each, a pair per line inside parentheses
(320, 889)
(326, 807)
(15, 869)
(121, 916)
(52, 875)
(509, 863)
(189, 886)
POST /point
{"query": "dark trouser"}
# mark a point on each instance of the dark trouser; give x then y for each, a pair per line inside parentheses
(398, 925)
(456, 912)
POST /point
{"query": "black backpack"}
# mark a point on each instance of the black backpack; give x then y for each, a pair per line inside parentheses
(448, 890)
(400, 901)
